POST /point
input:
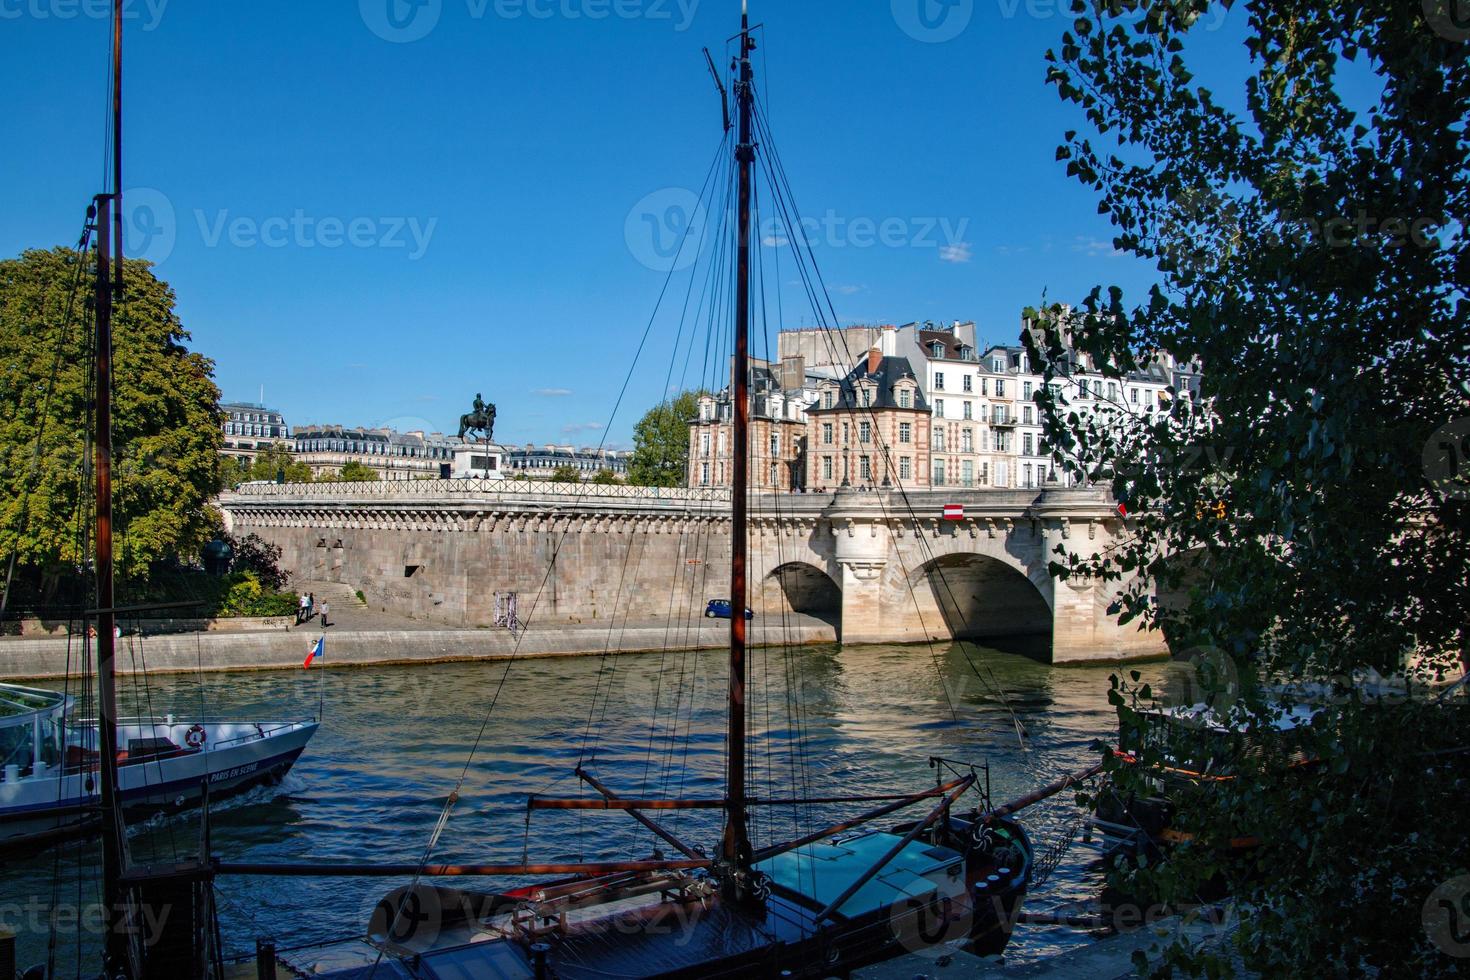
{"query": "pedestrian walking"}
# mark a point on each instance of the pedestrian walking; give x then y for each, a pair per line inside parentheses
(325, 609)
(303, 609)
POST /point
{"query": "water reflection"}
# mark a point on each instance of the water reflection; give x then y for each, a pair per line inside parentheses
(395, 740)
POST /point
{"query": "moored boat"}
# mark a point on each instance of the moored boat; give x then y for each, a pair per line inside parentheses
(51, 764)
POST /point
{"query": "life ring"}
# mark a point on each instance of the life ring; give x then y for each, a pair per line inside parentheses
(195, 737)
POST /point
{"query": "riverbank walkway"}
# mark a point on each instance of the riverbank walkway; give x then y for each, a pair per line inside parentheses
(361, 636)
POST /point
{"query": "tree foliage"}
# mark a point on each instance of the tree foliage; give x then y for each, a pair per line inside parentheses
(1311, 261)
(166, 422)
(275, 463)
(566, 474)
(661, 443)
(356, 472)
(605, 478)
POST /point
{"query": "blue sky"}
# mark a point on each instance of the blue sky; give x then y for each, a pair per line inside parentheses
(375, 227)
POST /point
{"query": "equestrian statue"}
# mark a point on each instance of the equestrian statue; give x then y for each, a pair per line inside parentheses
(481, 419)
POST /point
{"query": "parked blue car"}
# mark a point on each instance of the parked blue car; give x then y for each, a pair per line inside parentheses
(722, 609)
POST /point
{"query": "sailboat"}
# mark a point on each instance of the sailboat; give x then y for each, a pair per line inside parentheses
(63, 774)
(858, 891)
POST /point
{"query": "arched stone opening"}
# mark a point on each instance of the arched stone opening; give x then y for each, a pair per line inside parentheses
(801, 588)
(977, 597)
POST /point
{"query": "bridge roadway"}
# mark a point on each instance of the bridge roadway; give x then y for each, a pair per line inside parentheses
(881, 566)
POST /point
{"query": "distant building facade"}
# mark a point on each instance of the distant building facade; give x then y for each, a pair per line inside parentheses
(780, 394)
(393, 455)
(250, 428)
(540, 462)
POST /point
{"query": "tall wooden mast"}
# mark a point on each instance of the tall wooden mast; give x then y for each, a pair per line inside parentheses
(116, 951)
(735, 849)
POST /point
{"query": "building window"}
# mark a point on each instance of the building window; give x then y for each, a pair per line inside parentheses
(865, 432)
(968, 383)
(1112, 391)
(905, 432)
(704, 474)
(826, 433)
(967, 441)
(773, 474)
(1026, 475)
(1026, 390)
(867, 396)
(939, 408)
(865, 467)
(1000, 387)
(827, 399)
(905, 467)
(967, 472)
(905, 398)
(939, 440)
(938, 380)
(1133, 395)
(939, 472)
(1026, 415)
(776, 445)
(965, 412)
(826, 467)
(1026, 445)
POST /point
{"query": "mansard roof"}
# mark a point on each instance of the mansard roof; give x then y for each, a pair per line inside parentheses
(891, 370)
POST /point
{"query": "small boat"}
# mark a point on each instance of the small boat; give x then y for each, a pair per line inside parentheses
(51, 764)
(1209, 760)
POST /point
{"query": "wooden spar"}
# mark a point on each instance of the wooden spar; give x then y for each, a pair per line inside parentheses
(857, 821)
(451, 870)
(617, 803)
(894, 851)
(114, 838)
(678, 845)
(1050, 789)
(735, 846)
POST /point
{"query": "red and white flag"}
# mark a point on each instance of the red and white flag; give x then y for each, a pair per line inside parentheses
(954, 512)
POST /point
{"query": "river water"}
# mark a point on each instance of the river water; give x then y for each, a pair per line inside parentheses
(394, 741)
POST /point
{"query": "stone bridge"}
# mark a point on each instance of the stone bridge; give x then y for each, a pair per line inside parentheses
(881, 566)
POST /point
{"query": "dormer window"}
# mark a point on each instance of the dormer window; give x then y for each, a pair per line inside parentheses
(936, 349)
(905, 397)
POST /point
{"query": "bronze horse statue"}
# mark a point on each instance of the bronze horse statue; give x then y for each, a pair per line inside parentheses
(481, 419)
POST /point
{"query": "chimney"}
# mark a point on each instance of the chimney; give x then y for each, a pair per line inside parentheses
(888, 340)
(875, 357)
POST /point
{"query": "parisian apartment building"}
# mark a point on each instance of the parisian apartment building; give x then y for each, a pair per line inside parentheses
(924, 405)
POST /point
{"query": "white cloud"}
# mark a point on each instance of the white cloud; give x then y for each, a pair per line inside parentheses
(575, 427)
(847, 290)
(957, 253)
(774, 241)
(552, 392)
(1094, 247)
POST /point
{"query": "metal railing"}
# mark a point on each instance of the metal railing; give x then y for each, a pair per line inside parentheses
(463, 487)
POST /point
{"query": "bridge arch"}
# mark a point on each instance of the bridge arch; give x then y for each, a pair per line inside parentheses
(979, 597)
(801, 587)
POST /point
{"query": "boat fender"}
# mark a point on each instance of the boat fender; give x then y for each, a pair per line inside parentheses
(195, 737)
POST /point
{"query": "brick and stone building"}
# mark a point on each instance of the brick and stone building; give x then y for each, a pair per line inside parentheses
(870, 428)
(777, 436)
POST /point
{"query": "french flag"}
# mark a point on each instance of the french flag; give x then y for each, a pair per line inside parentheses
(318, 649)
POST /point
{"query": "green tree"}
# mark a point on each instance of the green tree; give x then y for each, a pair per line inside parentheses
(277, 461)
(166, 423)
(1306, 503)
(661, 443)
(565, 474)
(354, 471)
(605, 478)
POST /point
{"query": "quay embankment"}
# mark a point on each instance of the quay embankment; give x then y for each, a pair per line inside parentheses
(23, 658)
